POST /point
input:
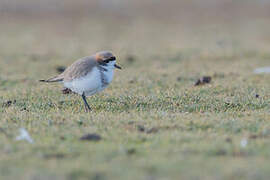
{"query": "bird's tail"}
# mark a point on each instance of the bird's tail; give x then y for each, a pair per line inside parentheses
(54, 79)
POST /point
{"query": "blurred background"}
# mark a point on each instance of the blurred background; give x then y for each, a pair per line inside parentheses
(138, 27)
(152, 32)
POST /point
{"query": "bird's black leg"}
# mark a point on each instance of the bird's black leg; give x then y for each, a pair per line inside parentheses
(86, 105)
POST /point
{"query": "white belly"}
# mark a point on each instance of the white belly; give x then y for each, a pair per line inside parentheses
(89, 84)
(93, 82)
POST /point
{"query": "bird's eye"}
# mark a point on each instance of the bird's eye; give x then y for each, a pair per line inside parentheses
(109, 59)
(112, 58)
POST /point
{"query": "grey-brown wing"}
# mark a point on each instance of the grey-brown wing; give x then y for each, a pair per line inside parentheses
(79, 68)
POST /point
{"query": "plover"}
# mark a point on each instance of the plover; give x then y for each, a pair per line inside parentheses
(88, 75)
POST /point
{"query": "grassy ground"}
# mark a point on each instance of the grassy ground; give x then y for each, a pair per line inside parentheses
(153, 122)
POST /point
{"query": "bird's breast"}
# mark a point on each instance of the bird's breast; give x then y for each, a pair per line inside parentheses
(106, 77)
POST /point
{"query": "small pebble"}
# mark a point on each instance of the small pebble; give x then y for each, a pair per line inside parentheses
(131, 122)
(60, 69)
(131, 151)
(229, 140)
(8, 103)
(203, 80)
(54, 156)
(253, 136)
(179, 79)
(152, 130)
(24, 135)
(80, 122)
(62, 138)
(141, 128)
(91, 137)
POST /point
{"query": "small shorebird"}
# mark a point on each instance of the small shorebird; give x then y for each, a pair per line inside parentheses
(88, 75)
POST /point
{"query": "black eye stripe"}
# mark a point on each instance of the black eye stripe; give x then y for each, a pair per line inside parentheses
(110, 59)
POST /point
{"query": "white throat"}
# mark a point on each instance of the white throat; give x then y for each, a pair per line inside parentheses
(110, 65)
(107, 73)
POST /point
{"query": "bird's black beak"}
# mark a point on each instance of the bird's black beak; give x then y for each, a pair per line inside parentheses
(116, 66)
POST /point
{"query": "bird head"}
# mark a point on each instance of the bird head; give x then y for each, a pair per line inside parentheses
(106, 59)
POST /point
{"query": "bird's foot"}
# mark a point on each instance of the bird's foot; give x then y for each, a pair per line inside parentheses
(87, 109)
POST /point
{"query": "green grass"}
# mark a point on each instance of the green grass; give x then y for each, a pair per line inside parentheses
(154, 123)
